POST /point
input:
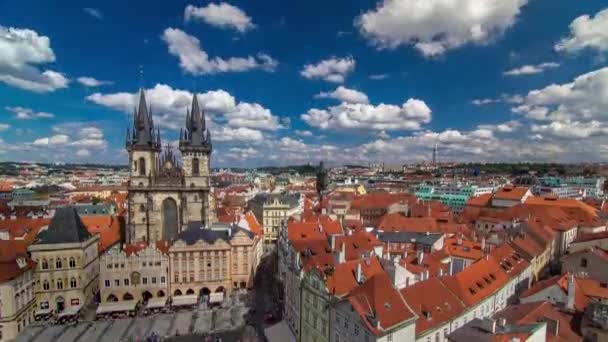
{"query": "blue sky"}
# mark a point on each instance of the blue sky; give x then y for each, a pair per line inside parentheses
(344, 81)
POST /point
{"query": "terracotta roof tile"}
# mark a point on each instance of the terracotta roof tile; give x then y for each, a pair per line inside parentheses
(109, 228)
(358, 243)
(462, 248)
(580, 299)
(509, 192)
(377, 298)
(534, 312)
(9, 267)
(509, 260)
(480, 201)
(433, 302)
(477, 282)
(380, 200)
(343, 277)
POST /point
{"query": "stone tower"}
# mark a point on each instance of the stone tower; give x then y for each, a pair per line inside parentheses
(195, 147)
(142, 145)
(166, 193)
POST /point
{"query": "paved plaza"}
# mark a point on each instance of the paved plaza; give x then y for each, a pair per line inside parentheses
(166, 325)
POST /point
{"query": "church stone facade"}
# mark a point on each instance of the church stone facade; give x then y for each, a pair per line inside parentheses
(167, 192)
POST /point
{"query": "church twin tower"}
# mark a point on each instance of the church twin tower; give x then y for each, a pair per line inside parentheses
(166, 194)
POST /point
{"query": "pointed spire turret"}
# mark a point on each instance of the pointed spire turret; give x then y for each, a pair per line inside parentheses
(143, 125)
(196, 134)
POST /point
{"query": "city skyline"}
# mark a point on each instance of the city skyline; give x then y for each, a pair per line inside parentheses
(338, 82)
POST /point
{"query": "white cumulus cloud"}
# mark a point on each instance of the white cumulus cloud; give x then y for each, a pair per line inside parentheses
(91, 82)
(344, 94)
(221, 15)
(436, 26)
(22, 50)
(583, 99)
(23, 113)
(332, 70)
(586, 33)
(531, 69)
(409, 116)
(194, 60)
(169, 107)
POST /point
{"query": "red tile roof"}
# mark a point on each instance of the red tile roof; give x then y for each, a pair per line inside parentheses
(380, 200)
(398, 222)
(477, 282)
(254, 225)
(531, 313)
(430, 209)
(462, 248)
(593, 288)
(512, 193)
(343, 278)
(108, 227)
(509, 260)
(480, 201)
(23, 231)
(379, 299)
(580, 299)
(430, 262)
(161, 245)
(6, 187)
(9, 268)
(358, 243)
(433, 302)
(528, 246)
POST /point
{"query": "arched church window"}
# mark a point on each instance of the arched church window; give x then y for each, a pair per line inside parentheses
(142, 166)
(195, 167)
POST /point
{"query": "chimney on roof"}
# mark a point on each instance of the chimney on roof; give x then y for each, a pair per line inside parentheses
(483, 243)
(420, 256)
(489, 325)
(342, 254)
(359, 274)
(450, 268)
(320, 228)
(332, 240)
(459, 241)
(552, 326)
(502, 322)
(440, 273)
(571, 293)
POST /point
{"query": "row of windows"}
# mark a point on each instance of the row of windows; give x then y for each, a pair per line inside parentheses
(142, 166)
(59, 284)
(58, 263)
(144, 281)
